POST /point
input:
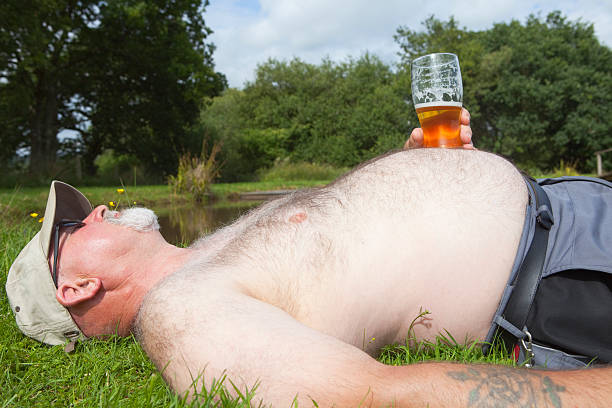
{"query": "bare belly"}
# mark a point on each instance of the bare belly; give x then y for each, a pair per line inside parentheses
(425, 230)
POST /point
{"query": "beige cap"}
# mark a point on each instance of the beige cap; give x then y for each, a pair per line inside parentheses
(29, 284)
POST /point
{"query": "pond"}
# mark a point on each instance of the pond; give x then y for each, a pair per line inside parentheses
(184, 224)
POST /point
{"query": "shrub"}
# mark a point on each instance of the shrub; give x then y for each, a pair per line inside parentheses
(195, 174)
(565, 169)
(112, 168)
(283, 170)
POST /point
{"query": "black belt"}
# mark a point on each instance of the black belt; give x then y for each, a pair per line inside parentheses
(528, 276)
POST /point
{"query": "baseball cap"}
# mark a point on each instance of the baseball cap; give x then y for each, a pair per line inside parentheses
(29, 285)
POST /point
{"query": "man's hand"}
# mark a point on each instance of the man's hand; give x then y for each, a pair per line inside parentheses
(416, 137)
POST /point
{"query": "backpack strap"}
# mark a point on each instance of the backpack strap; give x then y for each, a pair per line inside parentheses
(527, 279)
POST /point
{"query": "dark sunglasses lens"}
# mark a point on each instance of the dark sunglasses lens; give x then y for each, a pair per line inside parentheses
(58, 228)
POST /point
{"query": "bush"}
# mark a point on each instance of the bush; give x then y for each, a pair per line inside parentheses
(111, 169)
(283, 170)
(565, 169)
(196, 174)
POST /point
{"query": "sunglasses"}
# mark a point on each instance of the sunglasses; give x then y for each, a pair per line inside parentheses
(58, 227)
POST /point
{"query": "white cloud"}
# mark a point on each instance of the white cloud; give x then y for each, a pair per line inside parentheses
(249, 32)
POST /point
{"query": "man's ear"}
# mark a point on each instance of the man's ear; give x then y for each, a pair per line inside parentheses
(80, 290)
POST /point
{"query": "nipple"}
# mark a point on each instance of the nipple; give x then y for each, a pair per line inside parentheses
(298, 217)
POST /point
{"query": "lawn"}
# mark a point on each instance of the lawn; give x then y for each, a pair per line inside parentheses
(116, 372)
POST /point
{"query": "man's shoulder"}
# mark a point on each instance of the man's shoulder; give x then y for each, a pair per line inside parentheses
(175, 304)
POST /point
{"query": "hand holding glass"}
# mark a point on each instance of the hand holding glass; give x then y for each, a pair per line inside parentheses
(437, 93)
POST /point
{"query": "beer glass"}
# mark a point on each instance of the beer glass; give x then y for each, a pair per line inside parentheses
(437, 93)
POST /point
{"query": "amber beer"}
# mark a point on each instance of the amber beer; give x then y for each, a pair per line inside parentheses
(437, 94)
(441, 123)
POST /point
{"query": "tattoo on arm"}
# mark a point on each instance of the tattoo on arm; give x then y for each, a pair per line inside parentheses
(508, 387)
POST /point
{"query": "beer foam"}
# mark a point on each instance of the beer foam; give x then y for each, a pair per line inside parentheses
(438, 103)
(436, 81)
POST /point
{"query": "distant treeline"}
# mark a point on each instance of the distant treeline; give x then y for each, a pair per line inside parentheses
(137, 81)
(539, 93)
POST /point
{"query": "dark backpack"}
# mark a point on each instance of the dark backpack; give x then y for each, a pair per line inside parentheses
(557, 310)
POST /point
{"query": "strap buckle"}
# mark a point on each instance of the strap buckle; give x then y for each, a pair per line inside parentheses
(527, 347)
(544, 217)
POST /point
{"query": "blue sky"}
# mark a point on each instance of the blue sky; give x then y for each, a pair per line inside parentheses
(248, 32)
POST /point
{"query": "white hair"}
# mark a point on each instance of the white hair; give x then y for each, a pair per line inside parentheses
(137, 218)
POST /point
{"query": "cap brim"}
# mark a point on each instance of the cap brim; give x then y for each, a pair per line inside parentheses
(64, 203)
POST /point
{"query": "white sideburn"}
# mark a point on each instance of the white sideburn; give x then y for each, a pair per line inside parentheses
(136, 218)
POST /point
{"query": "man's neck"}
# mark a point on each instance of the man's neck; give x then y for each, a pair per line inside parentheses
(155, 264)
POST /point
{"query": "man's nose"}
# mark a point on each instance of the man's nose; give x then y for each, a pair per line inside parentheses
(97, 215)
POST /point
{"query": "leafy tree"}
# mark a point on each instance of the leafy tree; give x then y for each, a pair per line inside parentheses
(553, 97)
(148, 97)
(37, 40)
(439, 36)
(127, 74)
(221, 121)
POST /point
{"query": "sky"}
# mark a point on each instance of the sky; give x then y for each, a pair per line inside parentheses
(248, 32)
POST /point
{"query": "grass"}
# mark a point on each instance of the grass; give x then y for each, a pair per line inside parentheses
(116, 372)
(21, 201)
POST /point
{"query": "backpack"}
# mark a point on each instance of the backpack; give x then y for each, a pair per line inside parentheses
(556, 311)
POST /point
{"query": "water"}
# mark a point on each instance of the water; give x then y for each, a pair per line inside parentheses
(183, 225)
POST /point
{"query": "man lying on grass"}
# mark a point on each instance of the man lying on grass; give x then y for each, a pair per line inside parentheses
(290, 295)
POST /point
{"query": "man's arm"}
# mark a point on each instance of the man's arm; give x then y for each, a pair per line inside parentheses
(252, 342)
(484, 385)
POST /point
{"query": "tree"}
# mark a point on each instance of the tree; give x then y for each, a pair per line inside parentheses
(552, 99)
(126, 74)
(37, 39)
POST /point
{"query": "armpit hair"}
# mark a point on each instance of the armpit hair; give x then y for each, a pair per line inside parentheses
(152, 338)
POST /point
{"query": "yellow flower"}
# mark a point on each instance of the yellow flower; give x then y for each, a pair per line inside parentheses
(33, 214)
(120, 190)
(41, 219)
(134, 202)
(111, 204)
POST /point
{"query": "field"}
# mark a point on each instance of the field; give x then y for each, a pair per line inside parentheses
(116, 372)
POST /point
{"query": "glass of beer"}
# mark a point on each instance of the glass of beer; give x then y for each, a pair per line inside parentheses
(437, 93)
